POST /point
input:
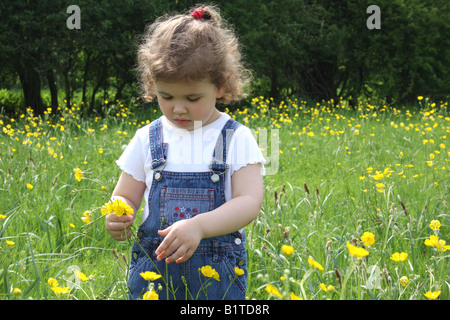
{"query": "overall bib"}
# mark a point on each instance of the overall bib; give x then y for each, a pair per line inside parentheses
(182, 195)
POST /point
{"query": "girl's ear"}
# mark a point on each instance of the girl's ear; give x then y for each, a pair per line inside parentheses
(221, 90)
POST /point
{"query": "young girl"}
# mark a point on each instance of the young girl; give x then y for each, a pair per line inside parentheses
(199, 171)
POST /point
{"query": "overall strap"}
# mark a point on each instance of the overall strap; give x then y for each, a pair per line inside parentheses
(157, 147)
(219, 160)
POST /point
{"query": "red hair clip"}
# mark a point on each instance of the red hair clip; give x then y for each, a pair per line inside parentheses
(198, 13)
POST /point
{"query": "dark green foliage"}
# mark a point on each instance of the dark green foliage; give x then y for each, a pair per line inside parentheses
(320, 49)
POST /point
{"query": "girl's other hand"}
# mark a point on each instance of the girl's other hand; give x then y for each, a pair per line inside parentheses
(181, 239)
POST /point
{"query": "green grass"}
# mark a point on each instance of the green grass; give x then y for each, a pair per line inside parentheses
(322, 196)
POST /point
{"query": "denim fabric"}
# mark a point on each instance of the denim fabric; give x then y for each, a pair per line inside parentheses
(183, 195)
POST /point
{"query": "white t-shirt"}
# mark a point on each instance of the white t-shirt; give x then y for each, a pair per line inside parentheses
(189, 151)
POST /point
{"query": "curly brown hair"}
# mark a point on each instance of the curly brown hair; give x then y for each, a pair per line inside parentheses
(185, 48)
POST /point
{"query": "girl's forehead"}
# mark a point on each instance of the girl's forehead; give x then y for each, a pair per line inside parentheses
(184, 87)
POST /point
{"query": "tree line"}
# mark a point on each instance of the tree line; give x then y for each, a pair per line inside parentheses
(317, 49)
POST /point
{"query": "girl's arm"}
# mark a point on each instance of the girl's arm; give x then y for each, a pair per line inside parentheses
(131, 192)
(183, 237)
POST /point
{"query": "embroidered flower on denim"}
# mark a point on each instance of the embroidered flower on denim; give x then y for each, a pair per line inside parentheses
(185, 212)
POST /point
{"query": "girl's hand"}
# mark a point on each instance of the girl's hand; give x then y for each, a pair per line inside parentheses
(181, 239)
(119, 227)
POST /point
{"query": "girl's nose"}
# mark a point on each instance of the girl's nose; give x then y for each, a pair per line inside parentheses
(179, 107)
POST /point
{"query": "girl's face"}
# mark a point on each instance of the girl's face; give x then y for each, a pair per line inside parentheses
(183, 103)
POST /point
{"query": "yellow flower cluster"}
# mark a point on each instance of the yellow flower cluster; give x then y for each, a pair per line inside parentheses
(207, 271)
(59, 290)
(118, 207)
(379, 177)
(439, 244)
(368, 238)
(329, 288)
(151, 294)
(434, 241)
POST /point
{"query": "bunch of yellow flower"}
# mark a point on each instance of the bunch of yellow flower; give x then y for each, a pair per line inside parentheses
(151, 294)
(434, 241)
(53, 283)
(439, 244)
(118, 207)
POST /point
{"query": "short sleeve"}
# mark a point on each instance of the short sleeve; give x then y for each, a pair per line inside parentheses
(132, 160)
(244, 150)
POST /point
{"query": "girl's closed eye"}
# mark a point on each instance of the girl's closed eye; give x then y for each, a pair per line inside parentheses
(193, 99)
(168, 98)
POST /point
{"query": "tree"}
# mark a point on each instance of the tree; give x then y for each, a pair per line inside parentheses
(318, 49)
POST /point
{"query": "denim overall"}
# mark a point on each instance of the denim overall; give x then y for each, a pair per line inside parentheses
(181, 195)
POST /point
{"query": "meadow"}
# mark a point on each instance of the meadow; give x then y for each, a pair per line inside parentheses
(356, 204)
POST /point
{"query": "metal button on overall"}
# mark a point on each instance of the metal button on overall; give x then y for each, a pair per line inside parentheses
(215, 178)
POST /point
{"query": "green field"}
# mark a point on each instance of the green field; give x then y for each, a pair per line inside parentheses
(340, 172)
